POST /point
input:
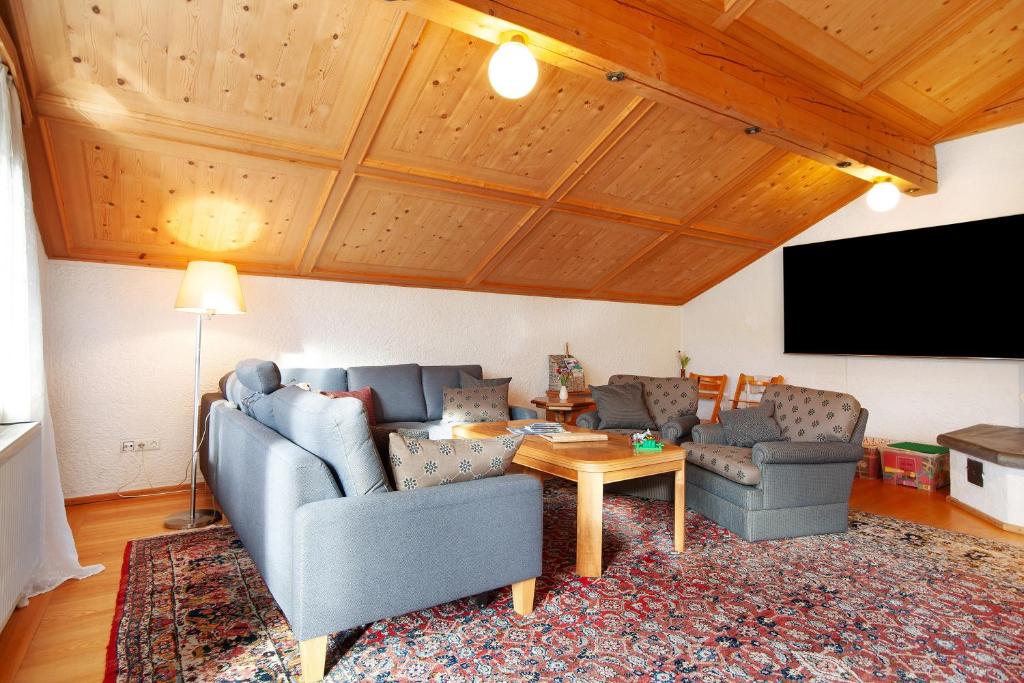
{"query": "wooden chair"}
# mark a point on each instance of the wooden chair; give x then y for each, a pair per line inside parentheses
(745, 383)
(711, 388)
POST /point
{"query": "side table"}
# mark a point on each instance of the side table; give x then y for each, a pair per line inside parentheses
(566, 411)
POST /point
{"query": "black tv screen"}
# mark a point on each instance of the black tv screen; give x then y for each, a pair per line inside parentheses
(953, 291)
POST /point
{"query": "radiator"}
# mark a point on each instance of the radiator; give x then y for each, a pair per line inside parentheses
(20, 513)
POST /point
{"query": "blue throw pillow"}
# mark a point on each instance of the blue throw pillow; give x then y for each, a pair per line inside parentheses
(749, 426)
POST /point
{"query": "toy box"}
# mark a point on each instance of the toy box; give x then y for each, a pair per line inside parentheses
(870, 466)
(922, 466)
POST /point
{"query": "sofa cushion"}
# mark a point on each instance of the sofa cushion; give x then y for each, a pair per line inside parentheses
(467, 381)
(748, 426)
(629, 432)
(259, 375)
(319, 379)
(420, 463)
(365, 395)
(621, 406)
(732, 462)
(334, 430)
(482, 404)
(666, 397)
(397, 391)
(813, 414)
(436, 378)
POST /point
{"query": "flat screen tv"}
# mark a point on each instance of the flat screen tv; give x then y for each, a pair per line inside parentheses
(952, 291)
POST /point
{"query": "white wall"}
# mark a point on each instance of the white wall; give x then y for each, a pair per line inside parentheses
(737, 325)
(119, 360)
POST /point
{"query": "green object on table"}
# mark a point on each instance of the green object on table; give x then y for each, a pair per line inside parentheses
(645, 446)
(930, 449)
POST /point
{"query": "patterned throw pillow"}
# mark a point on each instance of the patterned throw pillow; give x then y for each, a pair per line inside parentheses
(621, 406)
(480, 404)
(468, 381)
(666, 397)
(748, 426)
(365, 395)
(419, 463)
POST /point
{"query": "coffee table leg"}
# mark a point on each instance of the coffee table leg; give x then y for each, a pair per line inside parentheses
(679, 523)
(589, 499)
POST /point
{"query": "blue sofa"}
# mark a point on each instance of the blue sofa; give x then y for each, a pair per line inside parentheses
(336, 559)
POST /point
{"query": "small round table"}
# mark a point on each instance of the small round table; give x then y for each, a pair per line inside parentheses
(568, 410)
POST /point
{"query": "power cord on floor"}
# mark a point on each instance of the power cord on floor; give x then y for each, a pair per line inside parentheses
(142, 470)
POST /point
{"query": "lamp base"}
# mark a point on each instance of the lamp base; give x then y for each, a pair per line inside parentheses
(183, 520)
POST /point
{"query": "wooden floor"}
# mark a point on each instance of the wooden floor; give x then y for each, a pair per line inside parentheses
(62, 636)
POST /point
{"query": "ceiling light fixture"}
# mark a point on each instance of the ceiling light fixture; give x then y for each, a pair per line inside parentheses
(883, 195)
(513, 68)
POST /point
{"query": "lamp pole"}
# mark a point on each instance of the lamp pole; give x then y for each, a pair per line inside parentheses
(195, 519)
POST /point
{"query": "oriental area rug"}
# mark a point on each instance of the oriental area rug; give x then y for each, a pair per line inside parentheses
(890, 600)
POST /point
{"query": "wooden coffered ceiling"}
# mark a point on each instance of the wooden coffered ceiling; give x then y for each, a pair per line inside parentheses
(359, 140)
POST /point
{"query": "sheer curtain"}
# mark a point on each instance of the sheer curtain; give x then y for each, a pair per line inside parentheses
(23, 384)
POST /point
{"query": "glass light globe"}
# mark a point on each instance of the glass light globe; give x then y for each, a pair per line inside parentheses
(512, 70)
(883, 196)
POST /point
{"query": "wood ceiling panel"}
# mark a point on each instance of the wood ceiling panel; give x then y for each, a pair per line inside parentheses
(854, 38)
(965, 73)
(291, 73)
(790, 196)
(683, 268)
(667, 165)
(408, 232)
(128, 197)
(447, 121)
(566, 251)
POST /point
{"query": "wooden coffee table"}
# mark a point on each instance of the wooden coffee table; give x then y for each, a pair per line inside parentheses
(591, 465)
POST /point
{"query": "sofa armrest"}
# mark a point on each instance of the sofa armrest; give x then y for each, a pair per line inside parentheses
(521, 413)
(806, 452)
(711, 433)
(588, 420)
(678, 429)
(364, 558)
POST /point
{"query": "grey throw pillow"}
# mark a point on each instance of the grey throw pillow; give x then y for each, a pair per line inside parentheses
(481, 404)
(622, 406)
(336, 431)
(468, 381)
(420, 463)
(749, 426)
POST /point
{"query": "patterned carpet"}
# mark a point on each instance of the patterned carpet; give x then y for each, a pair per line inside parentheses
(888, 601)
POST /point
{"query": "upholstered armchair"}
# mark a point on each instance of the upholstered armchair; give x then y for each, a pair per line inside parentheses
(671, 402)
(796, 485)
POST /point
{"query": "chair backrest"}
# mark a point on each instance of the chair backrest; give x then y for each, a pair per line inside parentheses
(711, 388)
(753, 388)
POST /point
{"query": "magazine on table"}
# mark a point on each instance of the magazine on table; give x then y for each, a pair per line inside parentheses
(537, 428)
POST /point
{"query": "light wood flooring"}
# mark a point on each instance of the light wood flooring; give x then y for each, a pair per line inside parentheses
(62, 636)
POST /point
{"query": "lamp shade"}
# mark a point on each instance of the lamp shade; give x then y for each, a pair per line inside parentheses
(210, 287)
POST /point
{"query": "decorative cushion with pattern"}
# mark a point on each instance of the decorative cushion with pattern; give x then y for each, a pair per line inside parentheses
(621, 406)
(468, 381)
(747, 426)
(666, 397)
(419, 463)
(732, 462)
(365, 395)
(479, 404)
(813, 414)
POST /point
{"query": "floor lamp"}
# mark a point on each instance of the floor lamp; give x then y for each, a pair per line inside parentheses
(208, 288)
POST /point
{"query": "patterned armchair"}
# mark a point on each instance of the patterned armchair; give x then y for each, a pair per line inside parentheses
(795, 485)
(672, 404)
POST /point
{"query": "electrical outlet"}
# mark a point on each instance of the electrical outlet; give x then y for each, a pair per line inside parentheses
(128, 446)
(148, 445)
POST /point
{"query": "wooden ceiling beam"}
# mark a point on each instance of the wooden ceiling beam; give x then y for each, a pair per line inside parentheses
(674, 62)
(632, 115)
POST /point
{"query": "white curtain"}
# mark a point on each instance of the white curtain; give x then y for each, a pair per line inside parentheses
(23, 383)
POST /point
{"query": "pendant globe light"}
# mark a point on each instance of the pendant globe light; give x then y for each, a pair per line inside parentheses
(883, 196)
(513, 68)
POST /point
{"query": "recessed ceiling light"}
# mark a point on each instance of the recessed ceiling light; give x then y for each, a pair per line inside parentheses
(883, 195)
(513, 68)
